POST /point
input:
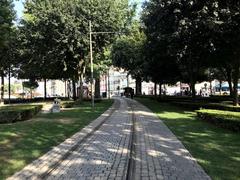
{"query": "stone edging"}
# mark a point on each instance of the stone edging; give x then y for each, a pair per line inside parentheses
(43, 165)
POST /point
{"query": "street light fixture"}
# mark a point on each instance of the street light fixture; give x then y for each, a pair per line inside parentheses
(91, 62)
(91, 56)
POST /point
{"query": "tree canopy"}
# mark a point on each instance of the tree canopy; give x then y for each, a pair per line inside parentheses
(58, 34)
(127, 53)
(194, 36)
(7, 16)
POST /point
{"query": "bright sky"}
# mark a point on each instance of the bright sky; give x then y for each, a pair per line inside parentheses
(19, 6)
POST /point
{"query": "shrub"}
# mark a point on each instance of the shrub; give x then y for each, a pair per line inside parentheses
(67, 104)
(33, 100)
(10, 114)
(225, 119)
(96, 100)
(212, 99)
(199, 105)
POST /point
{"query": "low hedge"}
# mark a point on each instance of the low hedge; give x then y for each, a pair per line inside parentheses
(212, 99)
(199, 105)
(70, 104)
(225, 119)
(67, 104)
(96, 100)
(10, 114)
(33, 100)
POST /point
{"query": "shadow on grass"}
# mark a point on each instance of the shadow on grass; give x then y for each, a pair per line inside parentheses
(216, 149)
(22, 142)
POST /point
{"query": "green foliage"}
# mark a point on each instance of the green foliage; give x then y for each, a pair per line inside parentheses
(7, 15)
(127, 51)
(224, 119)
(193, 36)
(10, 114)
(7, 36)
(30, 84)
(67, 104)
(13, 87)
(58, 34)
(176, 38)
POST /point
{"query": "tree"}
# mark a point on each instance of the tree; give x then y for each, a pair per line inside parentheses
(160, 64)
(58, 34)
(31, 85)
(225, 23)
(7, 15)
(127, 53)
(177, 32)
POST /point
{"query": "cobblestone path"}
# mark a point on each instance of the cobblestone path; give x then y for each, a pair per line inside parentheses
(104, 155)
(131, 144)
(158, 153)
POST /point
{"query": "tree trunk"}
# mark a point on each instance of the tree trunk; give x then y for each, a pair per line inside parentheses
(181, 93)
(81, 80)
(65, 83)
(229, 79)
(220, 86)
(155, 90)
(211, 91)
(236, 74)
(81, 87)
(106, 84)
(160, 90)
(165, 90)
(97, 88)
(192, 80)
(193, 90)
(45, 89)
(74, 90)
(109, 90)
(69, 89)
(9, 85)
(138, 86)
(2, 88)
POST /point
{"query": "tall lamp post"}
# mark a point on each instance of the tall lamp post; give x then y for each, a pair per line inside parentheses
(91, 62)
(91, 56)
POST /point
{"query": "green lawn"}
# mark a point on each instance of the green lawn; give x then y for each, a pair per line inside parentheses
(22, 142)
(217, 150)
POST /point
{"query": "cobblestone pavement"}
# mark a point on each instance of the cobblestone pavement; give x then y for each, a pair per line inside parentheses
(108, 152)
(158, 153)
(104, 155)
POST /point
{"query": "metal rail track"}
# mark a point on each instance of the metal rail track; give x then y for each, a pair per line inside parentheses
(132, 145)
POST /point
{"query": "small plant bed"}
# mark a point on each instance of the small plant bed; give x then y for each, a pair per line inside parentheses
(225, 119)
(22, 142)
(215, 149)
(67, 104)
(199, 105)
(10, 114)
(212, 99)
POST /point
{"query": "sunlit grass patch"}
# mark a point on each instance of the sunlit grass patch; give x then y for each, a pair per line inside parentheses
(22, 142)
(216, 149)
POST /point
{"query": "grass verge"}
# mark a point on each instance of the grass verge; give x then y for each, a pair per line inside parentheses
(216, 149)
(22, 142)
